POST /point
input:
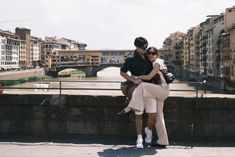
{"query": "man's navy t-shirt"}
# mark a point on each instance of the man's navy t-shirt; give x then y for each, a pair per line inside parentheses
(137, 65)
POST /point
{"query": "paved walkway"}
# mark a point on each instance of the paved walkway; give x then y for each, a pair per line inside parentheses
(109, 148)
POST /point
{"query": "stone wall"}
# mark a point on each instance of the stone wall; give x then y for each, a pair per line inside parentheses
(50, 115)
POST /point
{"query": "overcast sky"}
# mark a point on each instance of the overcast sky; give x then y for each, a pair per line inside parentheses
(108, 24)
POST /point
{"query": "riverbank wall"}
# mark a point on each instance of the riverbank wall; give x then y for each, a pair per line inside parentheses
(52, 115)
(14, 75)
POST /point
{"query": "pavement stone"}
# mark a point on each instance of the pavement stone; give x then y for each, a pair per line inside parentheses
(108, 147)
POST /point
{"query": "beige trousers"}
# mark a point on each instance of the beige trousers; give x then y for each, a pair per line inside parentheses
(149, 90)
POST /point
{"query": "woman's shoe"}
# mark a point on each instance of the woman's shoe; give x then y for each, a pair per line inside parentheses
(121, 113)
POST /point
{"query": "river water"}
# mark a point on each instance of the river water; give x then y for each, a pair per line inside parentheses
(107, 82)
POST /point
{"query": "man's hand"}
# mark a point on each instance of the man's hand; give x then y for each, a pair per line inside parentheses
(138, 81)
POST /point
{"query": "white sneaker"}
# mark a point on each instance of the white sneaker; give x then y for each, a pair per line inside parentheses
(149, 137)
(139, 143)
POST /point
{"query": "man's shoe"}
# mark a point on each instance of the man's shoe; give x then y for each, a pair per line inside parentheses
(158, 145)
(139, 143)
(149, 137)
(121, 113)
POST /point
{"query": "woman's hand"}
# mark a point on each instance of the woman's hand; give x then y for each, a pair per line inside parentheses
(160, 73)
(164, 71)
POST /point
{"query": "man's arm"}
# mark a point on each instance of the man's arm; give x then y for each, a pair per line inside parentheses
(154, 71)
(132, 79)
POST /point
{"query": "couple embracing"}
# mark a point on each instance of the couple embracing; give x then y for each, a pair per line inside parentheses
(147, 71)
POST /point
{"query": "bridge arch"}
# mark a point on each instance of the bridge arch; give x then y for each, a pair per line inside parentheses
(90, 71)
(71, 71)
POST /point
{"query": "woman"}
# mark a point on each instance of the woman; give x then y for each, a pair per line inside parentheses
(159, 91)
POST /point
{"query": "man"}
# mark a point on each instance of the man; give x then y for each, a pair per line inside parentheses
(140, 65)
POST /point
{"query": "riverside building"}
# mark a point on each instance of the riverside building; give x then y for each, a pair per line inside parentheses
(9, 48)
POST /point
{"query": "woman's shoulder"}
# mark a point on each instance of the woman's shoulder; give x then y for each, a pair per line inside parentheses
(160, 62)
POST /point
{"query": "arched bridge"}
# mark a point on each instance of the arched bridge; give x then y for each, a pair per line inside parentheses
(90, 62)
(90, 71)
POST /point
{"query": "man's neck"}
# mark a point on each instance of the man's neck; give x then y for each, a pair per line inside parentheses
(140, 54)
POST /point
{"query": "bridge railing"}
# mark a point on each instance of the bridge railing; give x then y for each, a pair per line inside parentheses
(59, 87)
(198, 86)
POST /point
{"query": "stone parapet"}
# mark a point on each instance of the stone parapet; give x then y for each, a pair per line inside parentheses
(52, 115)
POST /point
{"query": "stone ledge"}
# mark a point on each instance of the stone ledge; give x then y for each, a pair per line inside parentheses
(185, 117)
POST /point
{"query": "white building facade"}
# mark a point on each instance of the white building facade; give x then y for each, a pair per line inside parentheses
(9, 48)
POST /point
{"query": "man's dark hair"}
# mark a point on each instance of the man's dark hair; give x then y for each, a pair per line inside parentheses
(140, 42)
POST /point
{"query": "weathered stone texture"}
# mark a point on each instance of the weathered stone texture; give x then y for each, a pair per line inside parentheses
(51, 115)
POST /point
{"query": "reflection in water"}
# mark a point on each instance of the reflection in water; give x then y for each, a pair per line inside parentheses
(108, 74)
(112, 74)
(111, 71)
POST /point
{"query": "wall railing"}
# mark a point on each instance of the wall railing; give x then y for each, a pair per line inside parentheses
(199, 86)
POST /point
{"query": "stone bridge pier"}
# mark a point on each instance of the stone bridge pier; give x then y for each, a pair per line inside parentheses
(91, 71)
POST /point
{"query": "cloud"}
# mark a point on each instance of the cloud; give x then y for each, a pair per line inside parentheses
(108, 24)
